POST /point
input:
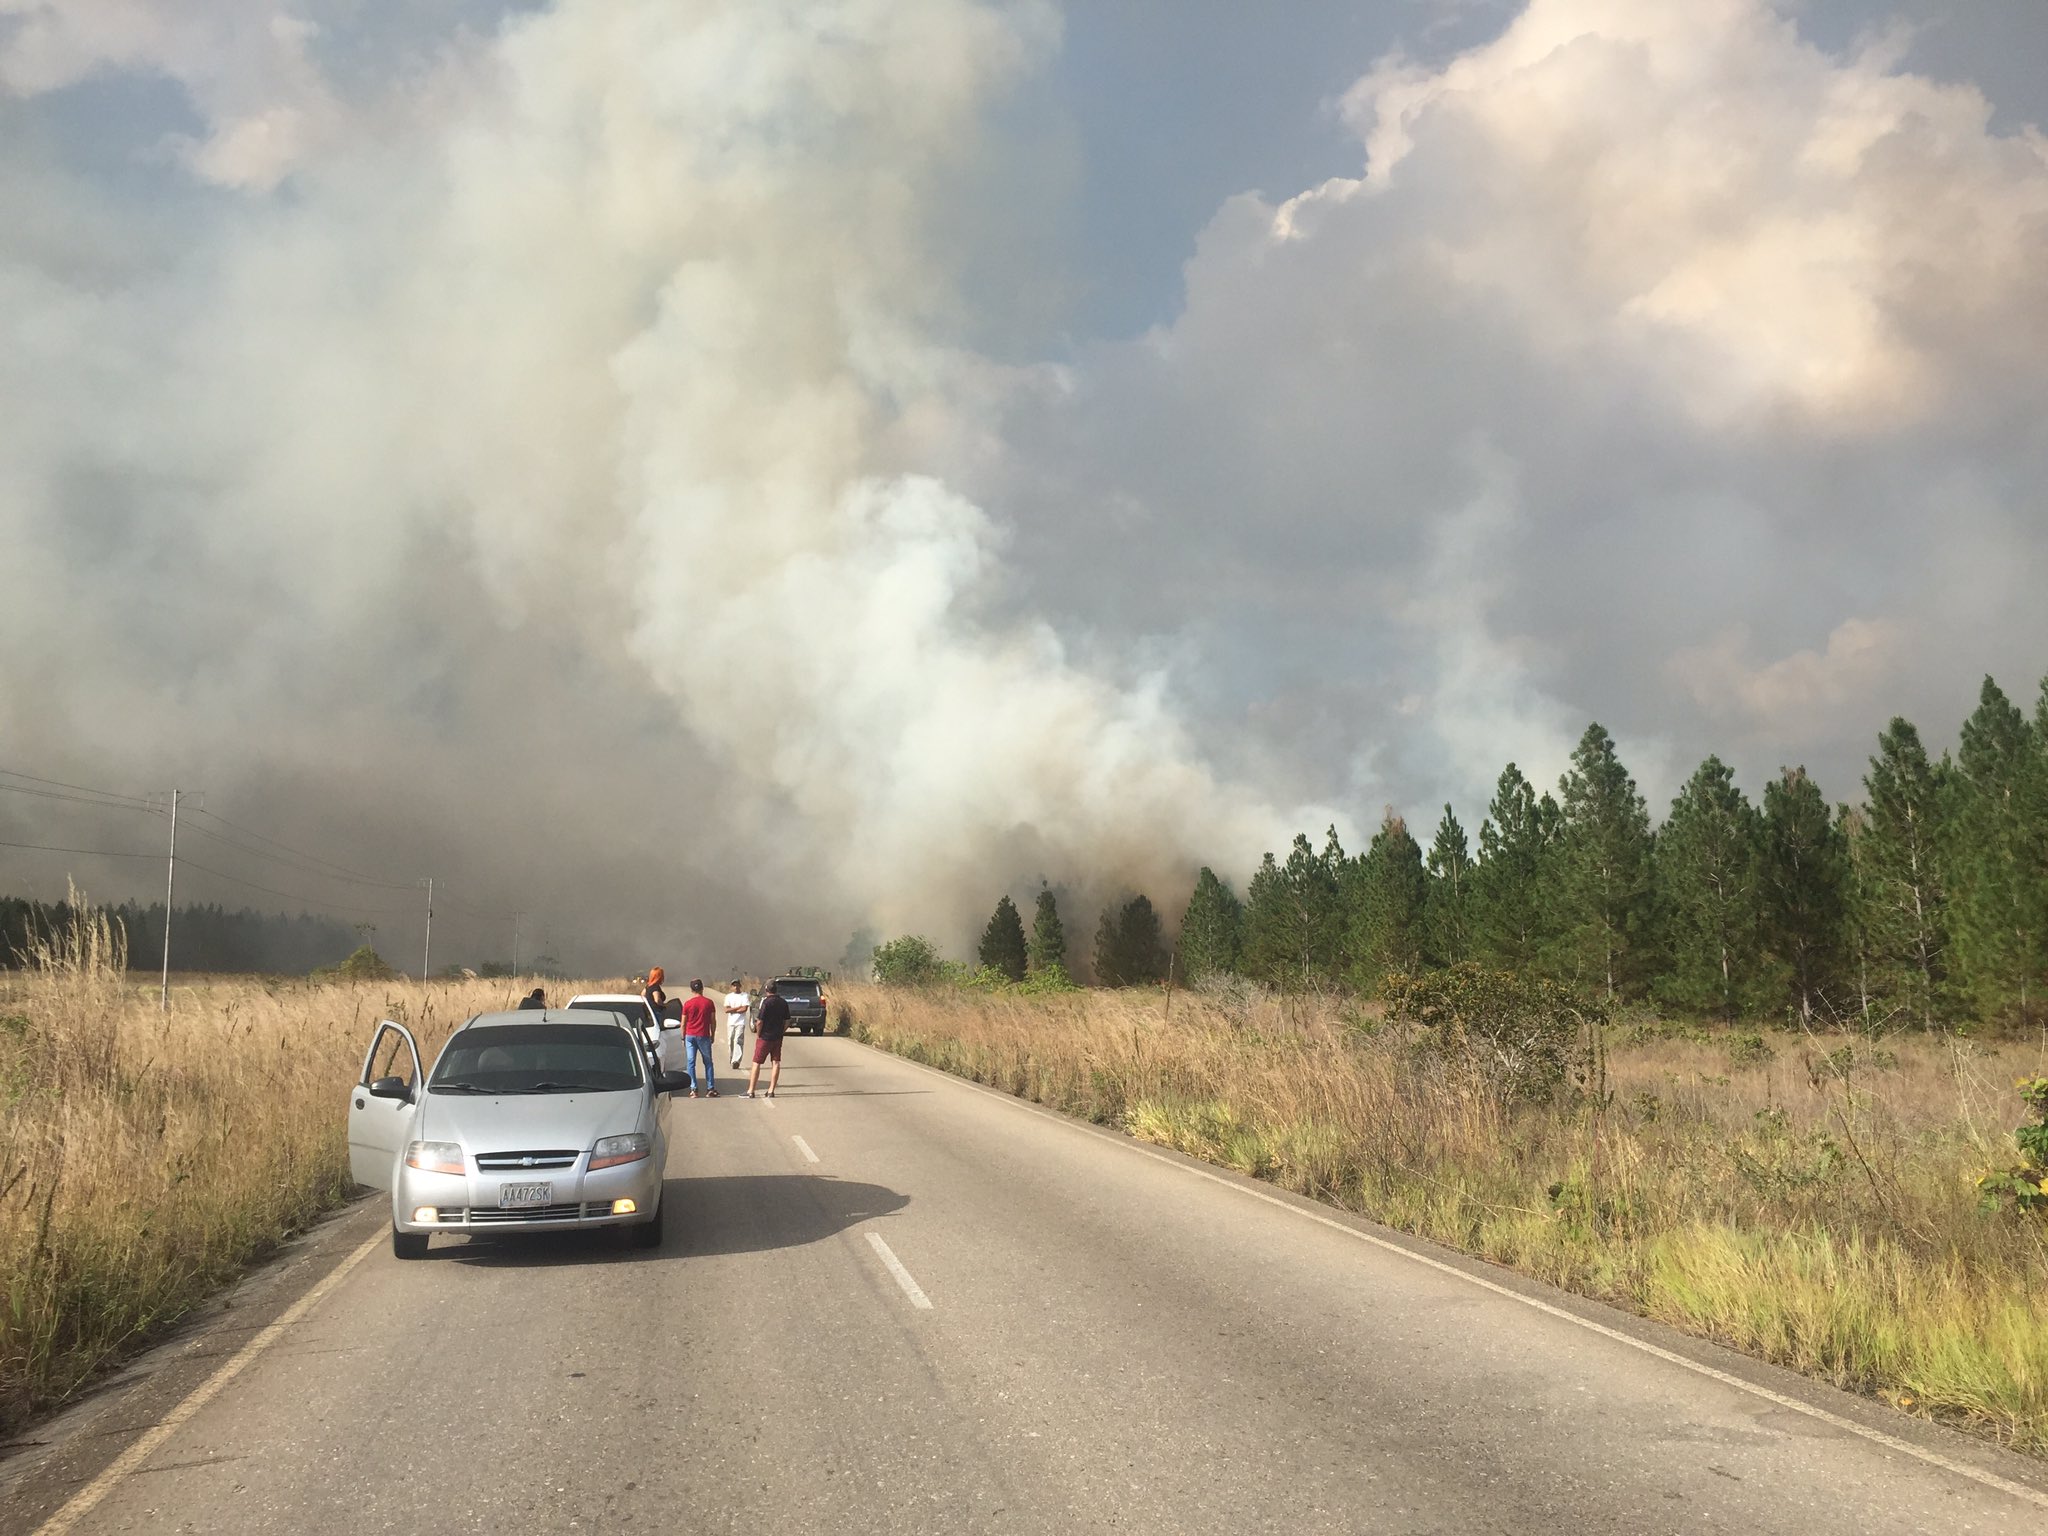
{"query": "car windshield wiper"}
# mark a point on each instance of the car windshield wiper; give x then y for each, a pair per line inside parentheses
(468, 1088)
(565, 1088)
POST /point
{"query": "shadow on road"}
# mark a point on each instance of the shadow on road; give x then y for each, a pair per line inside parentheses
(749, 1213)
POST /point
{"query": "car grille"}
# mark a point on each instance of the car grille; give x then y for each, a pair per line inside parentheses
(517, 1162)
(490, 1216)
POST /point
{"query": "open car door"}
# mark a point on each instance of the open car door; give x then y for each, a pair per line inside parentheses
(380, 1106)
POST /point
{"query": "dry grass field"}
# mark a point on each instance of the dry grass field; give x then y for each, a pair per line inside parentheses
(147, 1157)
(1811, 1200)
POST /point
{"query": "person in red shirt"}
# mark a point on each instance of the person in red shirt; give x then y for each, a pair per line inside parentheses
(697, 1020)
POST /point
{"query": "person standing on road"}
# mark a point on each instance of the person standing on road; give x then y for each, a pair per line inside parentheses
(537, 998)
(737, 1003)
(698, 1033)
(653, 991)
(769, 1027)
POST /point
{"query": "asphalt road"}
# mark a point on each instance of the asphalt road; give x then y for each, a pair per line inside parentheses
(1111, 1338)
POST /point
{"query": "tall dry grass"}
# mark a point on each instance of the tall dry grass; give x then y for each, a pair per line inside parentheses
(147, 1157)
(1808, 1199)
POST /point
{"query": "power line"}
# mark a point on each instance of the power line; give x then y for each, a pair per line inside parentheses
(104, 804)
(109, 853)
(297, 859)
(292, 863)
(330, 906)
(344, 872)
(104, 853)
(140, 802)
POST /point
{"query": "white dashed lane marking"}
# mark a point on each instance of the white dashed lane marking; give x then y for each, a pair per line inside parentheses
(910, 1287)
(805, 1148)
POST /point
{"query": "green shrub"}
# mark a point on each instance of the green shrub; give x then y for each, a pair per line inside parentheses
(1525, 1038)
(364, 964)
(2024, 1187)
(911, 961)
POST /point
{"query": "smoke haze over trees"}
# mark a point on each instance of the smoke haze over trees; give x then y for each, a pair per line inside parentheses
(1923, 903)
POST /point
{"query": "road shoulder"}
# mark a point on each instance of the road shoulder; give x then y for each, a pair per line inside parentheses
(51, 1458)
(1805, 1404)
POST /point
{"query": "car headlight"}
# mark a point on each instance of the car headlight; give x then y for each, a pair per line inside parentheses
(434, 1156)
(611, 1151)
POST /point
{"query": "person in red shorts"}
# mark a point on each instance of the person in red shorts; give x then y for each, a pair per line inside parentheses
(770, 1025)
(697, 1016)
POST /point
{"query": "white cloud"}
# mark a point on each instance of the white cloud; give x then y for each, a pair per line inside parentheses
(1732, 317)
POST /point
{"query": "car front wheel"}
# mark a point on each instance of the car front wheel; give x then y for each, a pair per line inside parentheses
(648, 1234)
(409, 1245)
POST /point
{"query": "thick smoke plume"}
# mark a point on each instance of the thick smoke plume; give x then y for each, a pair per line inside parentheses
(519, 488)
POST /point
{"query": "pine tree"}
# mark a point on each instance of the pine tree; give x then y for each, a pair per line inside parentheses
(1995, 851)
(1109, 971)
(1391, 887)
(1292, 919)
(1002, 946)
(1605, 872)
(1905, 912)
(1512, 910)
(1140, 946)
(1446, 920)
(1211, 929)
(1048, 949)
(1707, 872)
(1804, 879)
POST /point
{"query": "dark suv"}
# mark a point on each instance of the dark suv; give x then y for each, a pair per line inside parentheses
(805, 995)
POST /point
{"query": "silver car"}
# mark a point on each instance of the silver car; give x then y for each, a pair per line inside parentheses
(539, 1120)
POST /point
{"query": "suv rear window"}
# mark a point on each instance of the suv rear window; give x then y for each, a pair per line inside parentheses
(797, 991)
(632, 1015)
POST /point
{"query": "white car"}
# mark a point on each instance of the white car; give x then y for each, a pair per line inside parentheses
(662, 1037)
(530, 1121)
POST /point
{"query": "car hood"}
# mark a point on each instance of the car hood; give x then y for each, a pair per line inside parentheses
(523, 1122)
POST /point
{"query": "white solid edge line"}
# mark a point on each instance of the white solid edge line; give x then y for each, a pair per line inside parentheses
(2021, 1491)
(805, 1148)
(910, 1287)
(82, 1502)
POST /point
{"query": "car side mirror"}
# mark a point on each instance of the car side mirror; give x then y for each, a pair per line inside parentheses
(392, 1088)
(672, 1082)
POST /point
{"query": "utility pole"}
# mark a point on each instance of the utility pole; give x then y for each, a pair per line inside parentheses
(427, 955)
(516, 916)
(170, 890)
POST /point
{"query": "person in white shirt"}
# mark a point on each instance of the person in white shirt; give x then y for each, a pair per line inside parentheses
(736, 1005)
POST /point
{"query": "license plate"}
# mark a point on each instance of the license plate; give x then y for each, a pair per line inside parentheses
(517, 1196)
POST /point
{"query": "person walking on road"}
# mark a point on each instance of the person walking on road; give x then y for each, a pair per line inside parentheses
(769, 1027)
(698, 1033)
(736, 1005)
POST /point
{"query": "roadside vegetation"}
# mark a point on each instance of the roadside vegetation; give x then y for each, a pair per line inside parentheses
(147, 1157)
(1771, 1071)
(1853, 1208)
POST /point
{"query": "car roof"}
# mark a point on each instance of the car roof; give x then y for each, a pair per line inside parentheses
(606, 997)
(547, 1016)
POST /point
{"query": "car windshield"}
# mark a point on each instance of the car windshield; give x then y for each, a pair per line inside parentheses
(538, 1058)
(797, 991)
